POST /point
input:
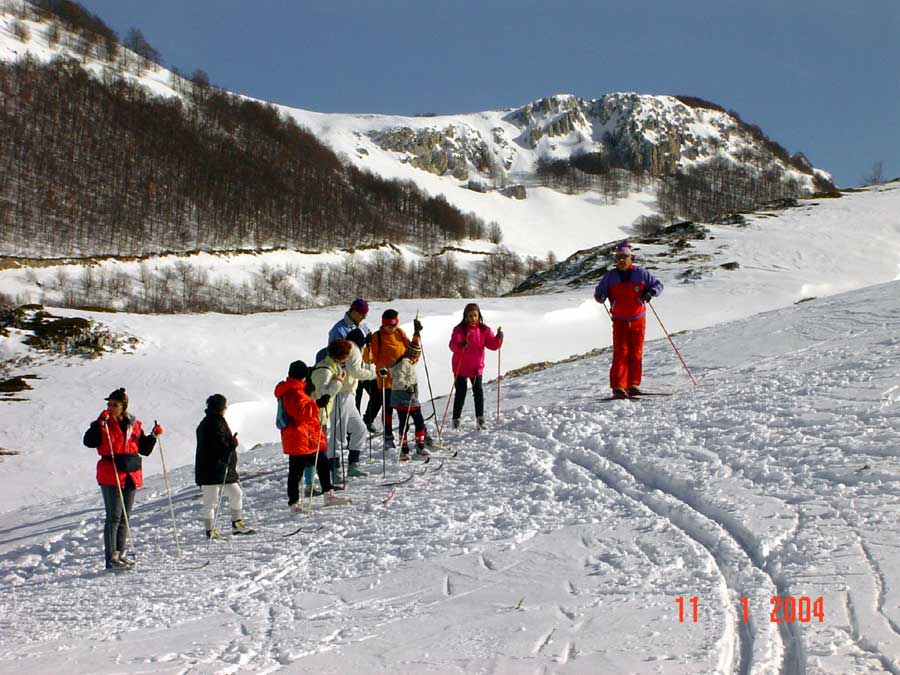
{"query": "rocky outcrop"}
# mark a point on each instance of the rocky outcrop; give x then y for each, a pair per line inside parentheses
(437, 151)
(657, 135)
(514, 192)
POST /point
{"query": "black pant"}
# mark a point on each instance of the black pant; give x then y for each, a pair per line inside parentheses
(364, 386)
(375, 403)
(296, 465)
(418, 423)
(114, 531)
(460, 398)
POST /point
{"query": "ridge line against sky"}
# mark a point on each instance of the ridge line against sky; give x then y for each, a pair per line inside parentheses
(818, 77)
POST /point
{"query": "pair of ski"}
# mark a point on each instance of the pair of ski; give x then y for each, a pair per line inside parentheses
(638, 397)
(426, 467)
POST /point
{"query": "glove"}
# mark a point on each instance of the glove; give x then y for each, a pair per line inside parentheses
(646, 295)
(368, 339)
(464, 344)
(103, 417)
(157, 430)
(323, 400)
(383, 372)
(499, 333)
(417, 326)
(600, 299)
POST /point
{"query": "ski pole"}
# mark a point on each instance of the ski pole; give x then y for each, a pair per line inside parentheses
(219, 494)
(162, 457)
(499, 378)
(687, 370)
(452, 387)
(316, 464)
(431, 393)
(383, 436)
(112, 454)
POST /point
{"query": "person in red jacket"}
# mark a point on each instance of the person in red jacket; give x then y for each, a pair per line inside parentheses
(303, 439)
(628, 288)
(120, 442)
(469, 339)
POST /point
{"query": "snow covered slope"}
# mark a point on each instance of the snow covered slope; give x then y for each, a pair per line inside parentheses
(560, 540)
(787, 256)
(442, 154)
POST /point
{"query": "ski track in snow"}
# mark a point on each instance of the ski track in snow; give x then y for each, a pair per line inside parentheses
(557, 543)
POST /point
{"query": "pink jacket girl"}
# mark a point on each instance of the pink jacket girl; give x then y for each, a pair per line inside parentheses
(469, 340)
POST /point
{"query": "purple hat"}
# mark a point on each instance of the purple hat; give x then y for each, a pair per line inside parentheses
(623, 248)
(360, 306)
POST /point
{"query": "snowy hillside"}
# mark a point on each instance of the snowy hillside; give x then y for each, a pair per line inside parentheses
(442, 154)
(784, 257)
(558, 541)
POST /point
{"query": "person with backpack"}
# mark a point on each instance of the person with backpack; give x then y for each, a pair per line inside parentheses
(628, 288)
(404, 399)
(215, 468)
(121, 442)
(327, 380)
(354, 319)
(388, 344)
(468, 341)
(347, 417)
(302, 438)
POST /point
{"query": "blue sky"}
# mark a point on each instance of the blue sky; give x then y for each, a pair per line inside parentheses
(822, 78)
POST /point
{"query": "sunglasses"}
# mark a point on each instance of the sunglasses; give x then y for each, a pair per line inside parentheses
(622, 256)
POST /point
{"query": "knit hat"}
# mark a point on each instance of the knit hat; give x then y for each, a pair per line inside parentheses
(356, 337)
(298, 370)
(119, 395)
(390, 318)
(413, 350)
(360, 306)
(624, 248)
(339, 349)
(216, 403)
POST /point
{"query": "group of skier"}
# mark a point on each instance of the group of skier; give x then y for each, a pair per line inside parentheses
(318, 406)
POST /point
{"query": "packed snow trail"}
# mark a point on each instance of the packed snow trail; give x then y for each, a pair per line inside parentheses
(558, 541)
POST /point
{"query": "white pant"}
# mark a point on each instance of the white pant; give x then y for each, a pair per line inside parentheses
(211, 499)
(345, 420)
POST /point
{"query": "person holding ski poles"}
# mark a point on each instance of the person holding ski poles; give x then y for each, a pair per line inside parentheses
(121, 442)
(215, 468)
(405, 401)
(302, 438)
(388, 344)
(354, 319)
(468, 341)
(347, 417)
(327, 378)
(628, 288)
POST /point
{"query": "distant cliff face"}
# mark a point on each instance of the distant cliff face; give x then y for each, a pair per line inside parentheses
(659, 135)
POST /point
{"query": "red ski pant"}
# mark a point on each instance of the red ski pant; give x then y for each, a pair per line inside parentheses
(628, 353)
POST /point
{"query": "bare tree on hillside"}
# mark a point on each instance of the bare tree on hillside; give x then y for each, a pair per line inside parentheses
(136, 42)
(875, 175)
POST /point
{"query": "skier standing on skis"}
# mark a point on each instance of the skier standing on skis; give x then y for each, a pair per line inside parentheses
(468, 341)
(120, 441)
(215, 467)
(388, 344)
(302, 438)
(405, 401)
(628, 288)
(354, 319)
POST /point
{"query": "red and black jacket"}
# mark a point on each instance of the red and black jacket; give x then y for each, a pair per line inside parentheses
(128, 444)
